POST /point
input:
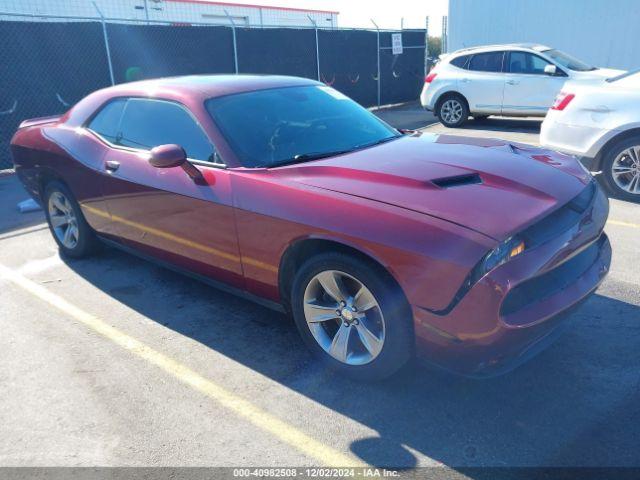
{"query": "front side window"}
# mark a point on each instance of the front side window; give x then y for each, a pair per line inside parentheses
(486, 62)
(267, 128)
(523, 62)
(148, 123)
(568, 61)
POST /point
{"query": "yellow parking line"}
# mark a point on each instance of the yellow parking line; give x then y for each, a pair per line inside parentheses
(300, 441)
(623, 224)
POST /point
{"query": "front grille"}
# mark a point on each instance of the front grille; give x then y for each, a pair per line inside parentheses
(560, 220)
(551, 282)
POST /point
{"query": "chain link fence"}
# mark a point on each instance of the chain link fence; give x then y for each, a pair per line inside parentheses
(51, 61)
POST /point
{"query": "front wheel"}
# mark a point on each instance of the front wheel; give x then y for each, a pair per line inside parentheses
(352, 317)
(621, 169)
(452, 111)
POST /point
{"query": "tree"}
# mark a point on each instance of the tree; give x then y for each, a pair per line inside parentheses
(435, 46)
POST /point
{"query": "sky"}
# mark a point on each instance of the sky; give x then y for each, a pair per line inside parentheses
(386, 13)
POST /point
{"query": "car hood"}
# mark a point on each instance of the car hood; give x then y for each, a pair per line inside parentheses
(490, 186)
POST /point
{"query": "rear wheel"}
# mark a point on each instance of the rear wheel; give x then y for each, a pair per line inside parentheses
(452, 111)
(352, 317)
(70, 230)
(621, 169)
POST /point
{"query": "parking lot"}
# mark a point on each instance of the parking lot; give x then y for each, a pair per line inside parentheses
(113, 361)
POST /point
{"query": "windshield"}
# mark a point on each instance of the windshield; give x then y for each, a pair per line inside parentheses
(568, 61)
(267, 128)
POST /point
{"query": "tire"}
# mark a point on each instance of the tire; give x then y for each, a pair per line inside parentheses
(624, 157)
(342, 340)
(452, 110)
(67, 224)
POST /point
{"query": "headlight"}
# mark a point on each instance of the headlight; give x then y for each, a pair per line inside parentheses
(504, 252)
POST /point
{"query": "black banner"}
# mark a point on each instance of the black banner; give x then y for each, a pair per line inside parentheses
(49, 66)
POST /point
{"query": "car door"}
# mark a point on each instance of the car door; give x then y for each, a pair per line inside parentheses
(528, 89)
(482, 82)
(163, 212)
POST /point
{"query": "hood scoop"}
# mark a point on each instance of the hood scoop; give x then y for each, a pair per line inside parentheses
(457, 181)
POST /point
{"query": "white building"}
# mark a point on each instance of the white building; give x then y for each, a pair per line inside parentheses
(175, 11)
(600, 32)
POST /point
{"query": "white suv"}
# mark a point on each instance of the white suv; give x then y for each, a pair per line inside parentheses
(511, 80)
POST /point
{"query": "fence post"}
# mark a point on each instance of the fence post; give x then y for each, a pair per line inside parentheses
(106, 43)
(315, 27)
(379, 79)
(445, 34)
(235, 45)
(146, 11)
(426, 46)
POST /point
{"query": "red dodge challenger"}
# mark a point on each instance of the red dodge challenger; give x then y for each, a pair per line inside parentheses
(382, 244)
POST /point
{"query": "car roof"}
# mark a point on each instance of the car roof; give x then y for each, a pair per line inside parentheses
(207, 86)
(506, 46)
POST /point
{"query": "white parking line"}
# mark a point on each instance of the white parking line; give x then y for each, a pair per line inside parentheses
(38, 266)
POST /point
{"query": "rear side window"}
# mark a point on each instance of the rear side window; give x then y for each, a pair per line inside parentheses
(523, 62)
(107, 121)
(486, 62)
(148, 123)
(460, 62)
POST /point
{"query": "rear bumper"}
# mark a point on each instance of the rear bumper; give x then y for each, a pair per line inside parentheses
(519, 308)
(29, 179)
(581, 141)
(428, 97)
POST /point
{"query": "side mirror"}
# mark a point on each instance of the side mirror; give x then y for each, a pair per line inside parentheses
(167, 156)
(172, 155)
(550, 69)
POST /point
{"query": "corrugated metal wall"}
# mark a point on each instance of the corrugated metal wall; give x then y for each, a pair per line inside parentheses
(600, 32)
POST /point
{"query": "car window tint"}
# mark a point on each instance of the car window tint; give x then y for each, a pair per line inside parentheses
(148, 123)
(107, 120)
(486, 62)
(460, 61)
(271, 126)
(523, 62)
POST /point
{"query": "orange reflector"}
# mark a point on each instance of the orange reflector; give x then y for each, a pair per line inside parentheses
(517, 250)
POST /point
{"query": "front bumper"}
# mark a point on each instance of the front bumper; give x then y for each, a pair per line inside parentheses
(517, 309)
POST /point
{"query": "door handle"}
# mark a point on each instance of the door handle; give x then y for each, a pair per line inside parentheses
(111, 165)
(513, 82)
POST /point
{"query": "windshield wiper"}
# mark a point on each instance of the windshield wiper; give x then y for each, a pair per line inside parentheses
(377, 142)
(307, 157)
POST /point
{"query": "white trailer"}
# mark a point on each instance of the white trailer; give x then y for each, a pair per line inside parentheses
(175, 11)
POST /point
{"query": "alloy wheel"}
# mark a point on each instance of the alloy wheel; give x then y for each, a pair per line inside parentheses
(344, 317)
(63, 220)
(625, 170)
(451, 111)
